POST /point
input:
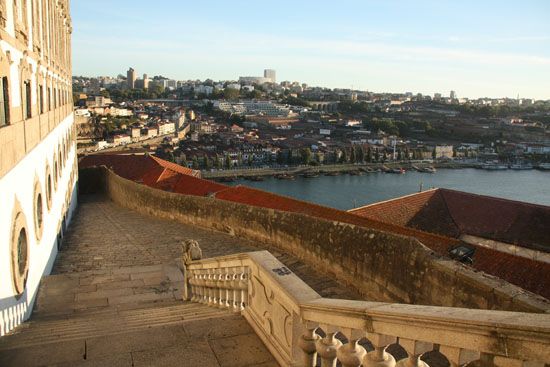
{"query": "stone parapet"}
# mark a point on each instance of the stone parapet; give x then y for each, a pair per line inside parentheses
(299, 326)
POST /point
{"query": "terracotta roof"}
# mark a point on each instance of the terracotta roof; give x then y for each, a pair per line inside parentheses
(454, 213)
(176, 167)
(131, 167)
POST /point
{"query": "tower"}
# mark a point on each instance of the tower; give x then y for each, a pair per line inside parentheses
(145, 81)
(131, 77)
(271, 74)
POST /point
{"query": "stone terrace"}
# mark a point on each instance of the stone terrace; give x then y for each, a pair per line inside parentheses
(114, 298)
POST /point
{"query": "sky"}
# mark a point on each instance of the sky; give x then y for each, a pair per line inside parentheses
(481, 48)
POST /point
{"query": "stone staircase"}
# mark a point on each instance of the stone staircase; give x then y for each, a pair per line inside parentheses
(130, 316)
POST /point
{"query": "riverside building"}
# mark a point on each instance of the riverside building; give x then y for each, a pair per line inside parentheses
(38, 167)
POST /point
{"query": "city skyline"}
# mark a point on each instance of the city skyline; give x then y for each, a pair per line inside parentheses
(484, 50)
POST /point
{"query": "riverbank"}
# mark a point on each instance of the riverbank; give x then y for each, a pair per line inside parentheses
(293, 171)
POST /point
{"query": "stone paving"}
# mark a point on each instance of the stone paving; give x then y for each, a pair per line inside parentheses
(106, 236)
(115, 299)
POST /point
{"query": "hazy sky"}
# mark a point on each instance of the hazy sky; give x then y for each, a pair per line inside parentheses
(478, 48)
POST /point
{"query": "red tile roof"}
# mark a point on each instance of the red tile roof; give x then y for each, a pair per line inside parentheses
(454, 213)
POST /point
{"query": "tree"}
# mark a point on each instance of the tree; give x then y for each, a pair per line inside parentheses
(376, 155)
(360, 154)
(195, 163)
(207, 163)
(399, 155)
(218, 162)
(434, 154)
(369, 155)
(231, 93)
(344, 156)
(353, 157)
(250, 159)
(228, 162)
(183, 158)
(240, 159)
(280, 157)
(306, 155)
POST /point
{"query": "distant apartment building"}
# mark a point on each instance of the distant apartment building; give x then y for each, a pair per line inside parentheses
(121, 139)
(443, 151)
(203, 89)
(253, 80)
(131, 78)
(166, 128)
(135, 133)
(271, 75)
(253, 107)
(151, 132)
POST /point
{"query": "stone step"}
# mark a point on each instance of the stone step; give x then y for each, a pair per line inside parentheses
(38, 333)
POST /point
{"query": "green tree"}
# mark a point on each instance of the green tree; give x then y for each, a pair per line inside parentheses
(250, 159)
(207, 163)
(195, 163)
(369, 155)
(434, 153)
(344, 156)
(376, 155)
(231, 93)
(360, 154)
(218, 162)
(183, 158)
(353, 156)
(228, 162)
(306, 156)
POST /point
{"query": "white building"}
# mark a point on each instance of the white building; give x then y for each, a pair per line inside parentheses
(271, 75)
(166, 128)
(253, 80)
(38, 165)
(203, 89)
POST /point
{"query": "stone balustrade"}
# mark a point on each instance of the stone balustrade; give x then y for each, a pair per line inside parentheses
(301, 328)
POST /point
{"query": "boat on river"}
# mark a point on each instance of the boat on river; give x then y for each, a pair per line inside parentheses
(544, 166)
(285, 176)
(310, 175)
(494, 166)
(521, 167)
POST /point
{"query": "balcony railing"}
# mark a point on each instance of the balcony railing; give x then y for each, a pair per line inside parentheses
(301, 328)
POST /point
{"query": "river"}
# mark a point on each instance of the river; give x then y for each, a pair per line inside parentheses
(346, 192)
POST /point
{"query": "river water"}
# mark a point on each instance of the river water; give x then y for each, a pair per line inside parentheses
(347, 192)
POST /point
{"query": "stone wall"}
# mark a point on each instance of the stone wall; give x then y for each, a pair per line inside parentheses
(381, 266)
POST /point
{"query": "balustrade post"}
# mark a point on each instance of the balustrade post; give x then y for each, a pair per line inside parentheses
(201, 287)
(328, 346)
(351, 354)
(220, 301)
(457, 356)
(227, 286)
(379, 357)
(235, 290)
(307, 344)
(209, 288)
(414, 349)
(243, 287)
